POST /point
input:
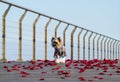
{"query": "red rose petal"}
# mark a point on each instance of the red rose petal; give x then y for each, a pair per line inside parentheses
(96, 77)
(24, 73)
(101, 78)
(82, 79)
(97, 69)
(101, 73)
(44, 72)
(75, 65)
(17, 69)
(9, 62)
(41, 79)
(90, 80)
(8, 70)
(5, 66)
(81, 70)
(118, 71)
(111, 74)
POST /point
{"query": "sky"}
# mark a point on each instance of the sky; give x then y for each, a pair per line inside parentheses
(102, 16)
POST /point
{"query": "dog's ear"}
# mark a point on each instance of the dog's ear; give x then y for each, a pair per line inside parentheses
(59, 39)
(52, 38)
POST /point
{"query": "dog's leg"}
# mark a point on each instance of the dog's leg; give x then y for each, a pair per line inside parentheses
(57, 60)
(63, 60)
(60, 59)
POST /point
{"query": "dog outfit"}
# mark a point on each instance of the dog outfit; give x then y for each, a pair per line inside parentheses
(59, 52)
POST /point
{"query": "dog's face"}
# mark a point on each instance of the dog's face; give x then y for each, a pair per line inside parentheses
(56, 42)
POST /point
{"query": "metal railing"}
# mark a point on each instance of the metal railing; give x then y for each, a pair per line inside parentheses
(111, 46)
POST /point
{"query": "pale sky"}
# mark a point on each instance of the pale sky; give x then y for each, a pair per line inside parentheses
(102, 16)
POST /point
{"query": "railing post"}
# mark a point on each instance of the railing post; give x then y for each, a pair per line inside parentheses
(45, 44)
(105, 47)
(108, 48)
(94, 46)
(72, 33)
(89, 45)
(64, 36)
(117, 49)
(79, 43)
(20, 36)
(102, 47)
(119, 52)
(57, 28)
(34, 38)
(4, 34)
(98, 47)
(111, 48)
(114, 49)
(84, 44)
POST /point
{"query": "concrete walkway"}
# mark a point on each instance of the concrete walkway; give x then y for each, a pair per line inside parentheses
(72, 71)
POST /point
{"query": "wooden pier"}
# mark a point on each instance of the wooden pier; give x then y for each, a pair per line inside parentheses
(71, 71)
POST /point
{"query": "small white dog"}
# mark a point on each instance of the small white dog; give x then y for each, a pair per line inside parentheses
(59, 53)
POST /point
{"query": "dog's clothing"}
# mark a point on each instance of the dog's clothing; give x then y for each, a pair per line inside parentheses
(59, 52)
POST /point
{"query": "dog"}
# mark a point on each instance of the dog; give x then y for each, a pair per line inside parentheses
(59, 53)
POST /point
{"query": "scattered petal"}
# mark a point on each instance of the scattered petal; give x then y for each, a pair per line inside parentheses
(82, 79)
(101, 78)
(41, 79)
(90, 80)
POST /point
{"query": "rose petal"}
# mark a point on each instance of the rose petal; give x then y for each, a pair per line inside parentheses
(118, 71)
(82, 78)
(111, 74)
(101, 73)
(8, 70)
(5, 66)
(90, 80)
(96, 76)
(101, 78)
(41, 79)
(44, 72)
